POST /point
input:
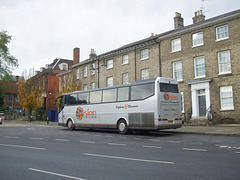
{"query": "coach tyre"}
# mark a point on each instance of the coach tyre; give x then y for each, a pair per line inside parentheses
(122, 127)
(70, 125)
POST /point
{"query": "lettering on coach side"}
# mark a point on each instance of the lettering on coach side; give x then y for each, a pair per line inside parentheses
(80, 113)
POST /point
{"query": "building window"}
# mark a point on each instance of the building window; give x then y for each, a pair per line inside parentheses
(63, 66)
(125, 78)
(226, 96)
(85, 87)
(177, 70)
(110, 64)
(197, 39)
(125, 59)
(78, 73)
(199, 66)
(144, 74)
(93, 85)
(176, 45)
(109, 81)
(85, 71)
(224, 62)
(222, 32)
(144, 54)
(10, 98)
(182, 99)
(92, 69)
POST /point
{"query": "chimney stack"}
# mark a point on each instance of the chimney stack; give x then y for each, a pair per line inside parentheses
(199, 17)
(92, 54)
(76, 55)
(178, 21)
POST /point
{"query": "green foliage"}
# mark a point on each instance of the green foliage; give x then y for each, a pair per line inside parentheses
(6, 59)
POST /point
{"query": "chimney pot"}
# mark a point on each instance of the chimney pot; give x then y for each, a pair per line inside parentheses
(199, 17)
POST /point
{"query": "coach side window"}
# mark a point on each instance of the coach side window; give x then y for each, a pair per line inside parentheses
(72, 99)
(95, 97)
(83, 98)
(123, 94)
(139, 92)
(110, 95)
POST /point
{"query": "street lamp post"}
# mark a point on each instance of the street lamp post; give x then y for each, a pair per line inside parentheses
(98, 69)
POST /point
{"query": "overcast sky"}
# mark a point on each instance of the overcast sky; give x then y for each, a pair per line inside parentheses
(43, 30)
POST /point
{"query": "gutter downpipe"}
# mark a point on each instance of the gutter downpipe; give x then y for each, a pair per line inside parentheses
(135, 64)
(159, 56)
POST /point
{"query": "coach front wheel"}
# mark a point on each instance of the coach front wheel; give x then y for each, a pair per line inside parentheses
(70, 125)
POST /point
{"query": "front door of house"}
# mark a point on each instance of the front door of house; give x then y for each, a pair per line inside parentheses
(202, 102)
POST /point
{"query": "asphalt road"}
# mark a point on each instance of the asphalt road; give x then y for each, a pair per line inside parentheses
(44, 152)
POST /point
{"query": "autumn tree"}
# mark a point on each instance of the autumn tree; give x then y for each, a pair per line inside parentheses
(70, 85)
(29, 98)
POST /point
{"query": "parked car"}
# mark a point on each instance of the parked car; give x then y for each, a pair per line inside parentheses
(2, 117)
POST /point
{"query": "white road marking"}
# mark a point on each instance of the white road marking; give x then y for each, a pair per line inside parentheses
(31, 129)
(190, 149)
(36, 138)
(238, 152)
(11, 137)
(55, 174)
(138, 138)
(174, 141)
(154, 140)
(152, 147)
(122, 137)
(26, 147)
(89, 142)
(65, 140)
(109, 136)
(116, 144)
(129, 159)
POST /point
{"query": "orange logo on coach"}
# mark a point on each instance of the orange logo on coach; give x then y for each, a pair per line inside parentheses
(87, 113)
(168, 96)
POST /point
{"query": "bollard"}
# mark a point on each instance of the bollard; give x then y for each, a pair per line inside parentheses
(47, 120)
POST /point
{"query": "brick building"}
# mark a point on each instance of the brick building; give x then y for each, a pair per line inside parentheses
(203, 57)
(48, 82)
(10, 89)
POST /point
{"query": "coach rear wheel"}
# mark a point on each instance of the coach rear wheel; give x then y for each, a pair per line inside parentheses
(70, 125)
(122, 127)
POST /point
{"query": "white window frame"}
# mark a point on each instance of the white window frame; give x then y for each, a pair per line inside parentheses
(109, 81)
(145, 74)
(125, 78)
(78, 73)
(175, 71)
(198, 66)
(85, 71)
(62, 65)
(110, 64)
(197, 39)
(125, 59)
(93, 69)
(182, 99)
(176, 45)
(93, 85)
(144, 54)
(85, 87)
(222, 32)
(227, 62)
(226, 97)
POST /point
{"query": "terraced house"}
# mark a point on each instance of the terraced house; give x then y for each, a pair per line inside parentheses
(203, 57)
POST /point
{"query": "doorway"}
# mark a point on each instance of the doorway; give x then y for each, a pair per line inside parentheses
(202, 102)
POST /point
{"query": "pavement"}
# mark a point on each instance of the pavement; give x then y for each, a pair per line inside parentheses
(217, 130)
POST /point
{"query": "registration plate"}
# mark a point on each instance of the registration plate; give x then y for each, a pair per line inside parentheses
(170, 122)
